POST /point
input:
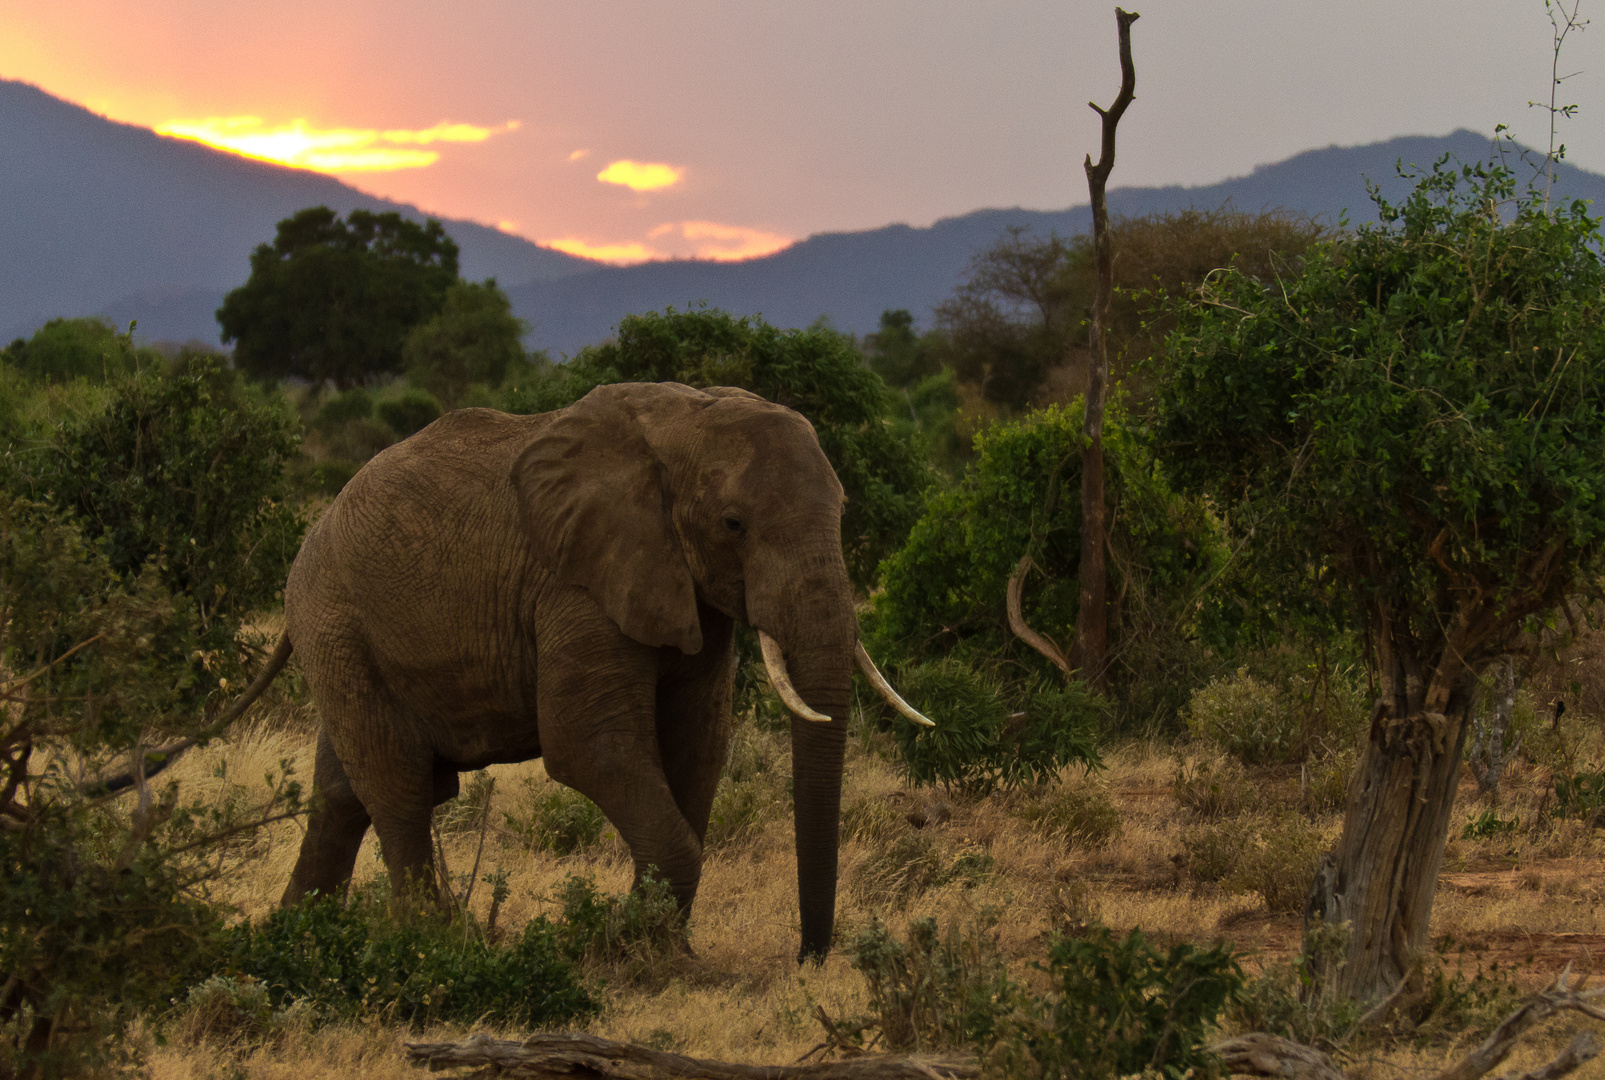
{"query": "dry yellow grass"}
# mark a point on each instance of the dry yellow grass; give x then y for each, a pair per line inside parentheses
(742, 996)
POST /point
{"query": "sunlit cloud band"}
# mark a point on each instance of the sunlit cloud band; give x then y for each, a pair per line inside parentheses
(641, 175)
(696, 239)
(302, 146)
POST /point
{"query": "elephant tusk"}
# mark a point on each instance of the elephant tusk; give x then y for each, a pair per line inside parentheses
(780, 679)
(878, 681)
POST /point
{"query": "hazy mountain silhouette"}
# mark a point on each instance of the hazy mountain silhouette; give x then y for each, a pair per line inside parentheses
(102, 217)
(107, 218)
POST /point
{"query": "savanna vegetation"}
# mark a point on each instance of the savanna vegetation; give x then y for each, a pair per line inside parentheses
(1354, 551)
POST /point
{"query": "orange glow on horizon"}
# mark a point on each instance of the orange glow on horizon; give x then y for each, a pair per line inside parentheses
(641, 175)
(332, 150)
(710, 240)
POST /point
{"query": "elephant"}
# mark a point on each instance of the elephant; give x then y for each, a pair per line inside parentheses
(497, 588)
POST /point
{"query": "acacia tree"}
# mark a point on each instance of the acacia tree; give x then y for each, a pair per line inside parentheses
(1411, 427)
(333, 301)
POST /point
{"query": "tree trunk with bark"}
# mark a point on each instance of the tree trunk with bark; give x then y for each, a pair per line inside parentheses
(1381, 876)
(1090, 652)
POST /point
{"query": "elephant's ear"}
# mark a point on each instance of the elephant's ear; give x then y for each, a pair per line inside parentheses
(596, 501)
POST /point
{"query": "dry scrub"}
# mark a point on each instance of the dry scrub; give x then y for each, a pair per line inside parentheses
(1142, 843)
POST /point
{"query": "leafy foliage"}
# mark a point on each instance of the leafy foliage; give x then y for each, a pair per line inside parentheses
(333, 301)
(817, 371)
(557, 819)
(989, 738)
(359, 960)
(1115, 1007)
(102, 914)
(1410, 423)
(184, 469)
(945, 590)
(474, 339)
(1580, 795)
(65, 349)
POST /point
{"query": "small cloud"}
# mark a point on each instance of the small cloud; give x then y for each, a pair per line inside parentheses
(508, 226)
(621, 254)
(641, 175)
(303, 146)
(576, 155)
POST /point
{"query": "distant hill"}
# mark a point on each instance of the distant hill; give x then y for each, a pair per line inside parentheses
(106, 218)
(850, 278)
(102, 217)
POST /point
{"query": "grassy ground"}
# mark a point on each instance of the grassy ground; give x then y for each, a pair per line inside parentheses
(1132, 846)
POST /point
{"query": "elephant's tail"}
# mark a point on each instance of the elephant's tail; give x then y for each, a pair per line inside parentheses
(156, 760)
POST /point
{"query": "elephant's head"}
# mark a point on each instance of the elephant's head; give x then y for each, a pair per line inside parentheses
(654, 495)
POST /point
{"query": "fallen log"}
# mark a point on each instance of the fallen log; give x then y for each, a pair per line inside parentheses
(587, 1057)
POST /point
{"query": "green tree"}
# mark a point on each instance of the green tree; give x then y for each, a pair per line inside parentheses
(475, 339)
(333, 301)
(817, 371)
(65, 349)
(945, 591)
(1410, 429)
(183, 470)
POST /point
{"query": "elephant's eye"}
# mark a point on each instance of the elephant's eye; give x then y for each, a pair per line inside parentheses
(733, 523)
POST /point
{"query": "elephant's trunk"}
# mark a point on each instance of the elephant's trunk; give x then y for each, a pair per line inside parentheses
(823, 679)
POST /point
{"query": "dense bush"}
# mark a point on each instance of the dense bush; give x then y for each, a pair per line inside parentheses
(359, 960)
(557, 819)
(817, 371)
(64, 349)
(101, 914)
(1115, 1007)
(945, 590)
(184, 470)
(1307, 711)
(475, 339)
(988, 736)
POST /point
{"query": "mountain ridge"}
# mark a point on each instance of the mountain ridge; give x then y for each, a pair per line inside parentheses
(115, 220)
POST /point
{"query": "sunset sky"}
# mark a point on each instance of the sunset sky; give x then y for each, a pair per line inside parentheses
(728, 128)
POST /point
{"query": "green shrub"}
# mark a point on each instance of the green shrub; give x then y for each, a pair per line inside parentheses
(1114, 1007)
(557, 819)
(231, 1009)
(1121, 1007)
(945, 591)
(342, 408)
(1580, 795)
(185, 469)
(411, 412)
(1079, 815)
(639, 930)
(982, 741)
(936, 990)
(65, 349)
(360, 960)
(1487, 826)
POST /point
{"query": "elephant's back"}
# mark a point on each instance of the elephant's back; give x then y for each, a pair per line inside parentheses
(421, 521)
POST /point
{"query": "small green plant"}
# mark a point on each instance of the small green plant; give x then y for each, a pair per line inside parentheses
(984, 742)
(1301, 709)
(557, 819)
(231, 1009)
(639, 930)
(938, 989)
(1580, 795)
(1487, 826)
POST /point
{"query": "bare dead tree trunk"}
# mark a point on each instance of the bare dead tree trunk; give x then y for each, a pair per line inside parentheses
(1489, 755)
(1381, 876)
(1090, 652)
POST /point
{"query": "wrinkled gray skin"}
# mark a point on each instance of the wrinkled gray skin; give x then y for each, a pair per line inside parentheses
(498, 588)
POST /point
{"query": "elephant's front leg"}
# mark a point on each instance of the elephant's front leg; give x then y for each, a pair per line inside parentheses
(597, 707)
(694, 719)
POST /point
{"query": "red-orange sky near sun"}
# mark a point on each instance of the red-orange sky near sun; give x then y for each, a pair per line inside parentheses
(725, 129)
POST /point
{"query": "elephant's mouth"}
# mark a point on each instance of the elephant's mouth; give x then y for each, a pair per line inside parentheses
(775, 663)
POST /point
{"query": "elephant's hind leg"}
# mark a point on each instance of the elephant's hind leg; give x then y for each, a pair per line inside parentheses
(334, 830)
